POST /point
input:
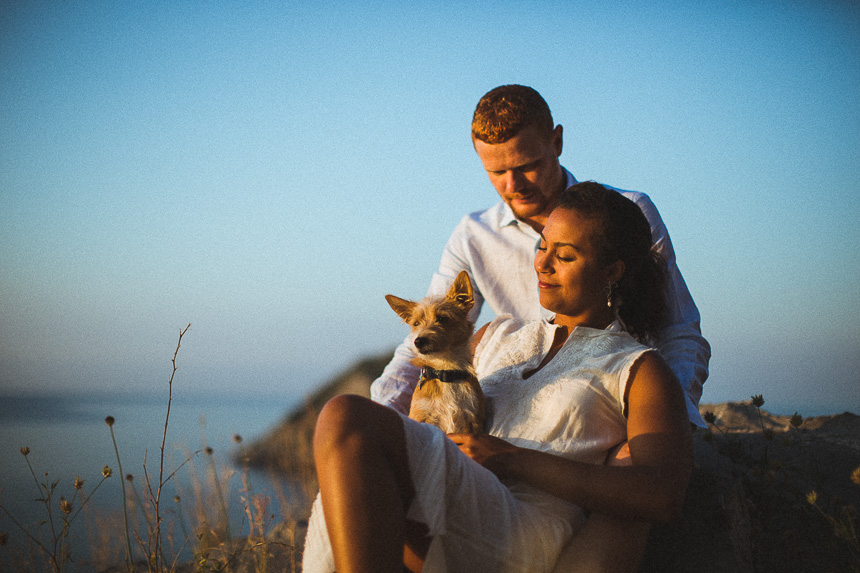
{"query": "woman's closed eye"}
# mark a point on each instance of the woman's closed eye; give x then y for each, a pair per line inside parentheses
(565, 258)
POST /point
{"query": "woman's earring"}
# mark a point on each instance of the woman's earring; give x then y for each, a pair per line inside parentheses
(609, 288)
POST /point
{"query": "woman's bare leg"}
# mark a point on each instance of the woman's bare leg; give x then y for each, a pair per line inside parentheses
(363, 472)
(605, 545)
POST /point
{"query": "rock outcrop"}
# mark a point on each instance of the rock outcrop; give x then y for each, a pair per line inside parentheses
(286, 448)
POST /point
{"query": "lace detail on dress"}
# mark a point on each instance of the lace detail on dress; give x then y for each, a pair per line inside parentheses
(573, 405)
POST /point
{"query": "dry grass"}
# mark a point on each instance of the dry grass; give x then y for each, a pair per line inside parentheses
(193, 531)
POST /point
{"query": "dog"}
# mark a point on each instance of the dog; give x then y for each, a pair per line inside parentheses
(448, 394)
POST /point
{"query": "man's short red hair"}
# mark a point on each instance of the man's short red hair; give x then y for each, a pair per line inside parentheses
(505, 111)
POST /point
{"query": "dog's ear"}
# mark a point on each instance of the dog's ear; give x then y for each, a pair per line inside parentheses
(461, 291)
(401, 306)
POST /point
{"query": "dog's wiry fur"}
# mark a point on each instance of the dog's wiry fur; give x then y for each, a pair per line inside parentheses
(440, 337)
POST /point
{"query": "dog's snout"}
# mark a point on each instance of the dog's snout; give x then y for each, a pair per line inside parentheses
(421, 344)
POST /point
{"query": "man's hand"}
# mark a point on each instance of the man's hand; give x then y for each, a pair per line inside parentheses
(487, 450)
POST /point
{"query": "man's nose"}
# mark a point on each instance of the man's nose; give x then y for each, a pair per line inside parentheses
(514, 181)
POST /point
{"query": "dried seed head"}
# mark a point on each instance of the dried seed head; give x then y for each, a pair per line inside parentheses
(106, 471)
(237, 438)
(25, 451)
(812, 497)
(209, 451)
(109, 421)
(796, 420)
(65, 506)
(79, 483)
(176, 498)
(710, 417)
(129, 477)
(758, 400)
(855, 475)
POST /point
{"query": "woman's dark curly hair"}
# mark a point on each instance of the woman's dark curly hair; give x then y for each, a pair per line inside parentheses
(625, 235)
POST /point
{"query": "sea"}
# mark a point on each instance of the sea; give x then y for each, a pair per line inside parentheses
(67, 437)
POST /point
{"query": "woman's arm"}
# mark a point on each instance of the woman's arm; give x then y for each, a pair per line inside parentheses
(661, 445)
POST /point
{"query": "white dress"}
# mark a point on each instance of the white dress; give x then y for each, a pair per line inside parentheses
(572, 407)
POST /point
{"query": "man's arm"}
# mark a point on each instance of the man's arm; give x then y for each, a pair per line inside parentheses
(395, 386)
(681, 343)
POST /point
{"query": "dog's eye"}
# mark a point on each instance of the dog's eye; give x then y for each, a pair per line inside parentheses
(416, 323)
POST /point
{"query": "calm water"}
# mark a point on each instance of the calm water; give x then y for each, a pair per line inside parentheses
(68, 438)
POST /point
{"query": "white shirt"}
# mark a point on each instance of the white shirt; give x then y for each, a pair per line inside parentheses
(497, 250)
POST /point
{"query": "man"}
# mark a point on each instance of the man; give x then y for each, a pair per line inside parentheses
(519, 147)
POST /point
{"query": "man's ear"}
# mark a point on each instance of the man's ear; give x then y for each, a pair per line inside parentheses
(557, 139)
(615, 271)
(461, 291)
(401, 306)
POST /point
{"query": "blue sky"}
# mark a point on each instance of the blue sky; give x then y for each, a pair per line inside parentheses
(268, 171)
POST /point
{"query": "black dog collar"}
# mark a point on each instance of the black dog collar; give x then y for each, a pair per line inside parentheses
(428, 373)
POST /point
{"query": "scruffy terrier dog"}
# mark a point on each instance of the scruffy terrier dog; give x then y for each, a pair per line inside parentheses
(448, 394)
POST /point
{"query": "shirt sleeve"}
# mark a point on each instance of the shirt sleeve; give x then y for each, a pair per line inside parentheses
(397, 382)
(680, 343)
(395, 385)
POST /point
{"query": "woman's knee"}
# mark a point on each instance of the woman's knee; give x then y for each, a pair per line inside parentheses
(340, 417)
(368, 437)
(350, 421)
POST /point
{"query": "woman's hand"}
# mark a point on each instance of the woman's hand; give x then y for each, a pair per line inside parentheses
(489, 451)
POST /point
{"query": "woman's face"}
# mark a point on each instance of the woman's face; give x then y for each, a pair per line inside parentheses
(572, 280)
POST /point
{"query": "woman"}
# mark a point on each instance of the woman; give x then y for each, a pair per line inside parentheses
(561, 394)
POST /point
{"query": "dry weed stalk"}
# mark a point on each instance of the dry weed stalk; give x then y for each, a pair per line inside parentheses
(56, 550)
(156, 555)
(151, 542)
(211, 537)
